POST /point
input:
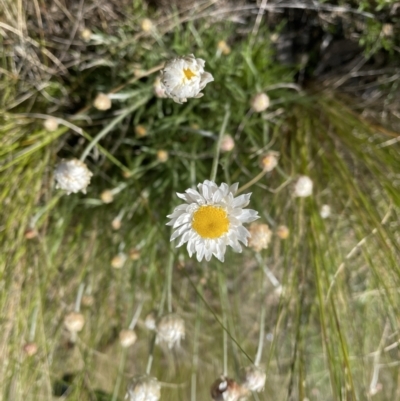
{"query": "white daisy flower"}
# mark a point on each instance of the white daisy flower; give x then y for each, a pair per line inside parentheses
(184, 77)
(72, 176)
(211, 219)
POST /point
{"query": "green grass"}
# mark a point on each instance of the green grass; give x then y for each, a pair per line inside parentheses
(335, 317)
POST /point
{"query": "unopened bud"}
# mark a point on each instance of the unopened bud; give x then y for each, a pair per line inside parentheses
(50, 124)
(162, 156)
(74, 322)
(282, 232)
(147, 25)
(118, 261)
(269, 161)
(223, 47)
(102, 102)
(260, 102)
(227, 143)
(107, 196)
(140, 131)
(127, 338)
(30, 349)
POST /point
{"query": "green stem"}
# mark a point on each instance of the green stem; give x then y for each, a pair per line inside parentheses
(169, 280)
(218, 144)
(111, 125)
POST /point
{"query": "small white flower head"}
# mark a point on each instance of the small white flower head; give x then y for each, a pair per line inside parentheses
(260, 236)
(184, 77)
(260, 102)
(325, 211)
(170, 330)
(74, 322)
(72, 176)
(254, 378)
(303, 187)
(269, 161)
(227, 143)
(127, 338)
(50, 124)
(225, 389)
(116, 223)
(158, 88)
(102, 102)
(212, 219)
(143, 388)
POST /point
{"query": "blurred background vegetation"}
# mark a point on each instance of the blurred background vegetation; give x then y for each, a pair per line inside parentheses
(322, 304)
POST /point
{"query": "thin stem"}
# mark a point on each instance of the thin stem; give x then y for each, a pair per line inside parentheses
(135, 317)
(252, 181)
(79, 297)
(218, 144)
(195, 359)
(111, 125)
(169, 280)
(262, 335)
(150, 359)
(224, 321)
(121, 367)
(33, 324)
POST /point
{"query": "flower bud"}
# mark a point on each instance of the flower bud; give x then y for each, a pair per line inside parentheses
(260, 236)
(170, 330)
(134, 254)
(227, 143)
(102, 102)
(86, 34)
(50, 124)
(223, 47)
(162, 156)
(282, 232)
(31, 233)
(127, 338)
(74, 322)
(147, 25)
(269, 161)
(140, 131)
(325, 211)
(260, 102)
(30, 349)
(150, 321)
(107, 196)
(303, 187)
(118, 261)
(116, 223)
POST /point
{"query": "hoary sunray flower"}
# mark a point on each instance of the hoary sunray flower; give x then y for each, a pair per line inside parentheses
(184, 77)
(211, 219)
(72, 176)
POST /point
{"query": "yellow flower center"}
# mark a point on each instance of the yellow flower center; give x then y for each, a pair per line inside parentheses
(210, 222)
(189, 74)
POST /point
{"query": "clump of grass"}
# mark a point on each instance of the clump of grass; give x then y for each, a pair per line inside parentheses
(324, 300)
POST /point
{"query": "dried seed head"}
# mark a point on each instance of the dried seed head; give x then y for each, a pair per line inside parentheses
(282, 232)
(74, 322)
(150, 321)
(260, 236)
(227, 143)
(162, 156)
(72, 176)
(146, 25)
(86, 34)
(269, 161)
(107, 196)
(325, 211)
(223, 47)
(50, 124)
(303, 187)
(116, 223)
(170, 330)
(225, 389)
(140, 131)
(134, 254)
(127, 338)
(30, 349)
(118, 261)
(143, 388)
(102, 102)
(253, 378)
(260, 102)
